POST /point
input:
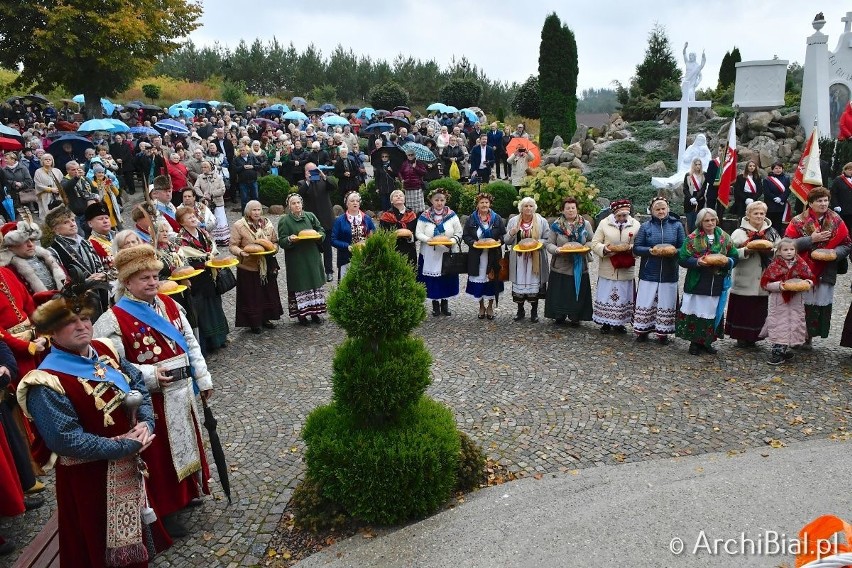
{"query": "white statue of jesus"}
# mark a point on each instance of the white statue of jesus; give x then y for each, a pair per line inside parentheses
(692, 75)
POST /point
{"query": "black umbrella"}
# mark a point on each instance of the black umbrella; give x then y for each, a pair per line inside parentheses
(398, 121)
(351, 109)
(216, 448)
(315, 111)
(394, 152)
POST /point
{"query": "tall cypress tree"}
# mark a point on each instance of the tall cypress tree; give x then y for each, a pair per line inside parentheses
(728, 69)
(557, 81)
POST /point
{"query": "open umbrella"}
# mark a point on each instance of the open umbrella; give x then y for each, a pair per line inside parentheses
(402, 107)
(7, 144)
(365, 113)
(424, 123)
(298, 101)
(316, 111)
(79, 99)
(294, 115)
(171, 126)
(450, 109)
(214, 104)
(395, 153)
(96, 125)
(106, 104)
(226, 105)
(439, 107)
(334, 120)
(273, 110)
(328, 107)
(401, 113)
(78, 143)
(382, 112)
(216, 449)
(177, 110)
(470, 115)
(421, 152)
(118, 126)
(349, 109)
(143, 130)
(377, 127)
(261, 102)
(516, 143)
(480, 113)
(398, 122)
(198, 103)
(265, 122)
(9, 131)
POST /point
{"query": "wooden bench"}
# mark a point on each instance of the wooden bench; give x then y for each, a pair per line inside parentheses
(43, 551)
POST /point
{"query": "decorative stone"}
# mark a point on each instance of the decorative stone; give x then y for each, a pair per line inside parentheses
(759, 121)
(760, 84)
(618, 135)
(580, 133)
(276, 210)
(658, 167)
(589, 145)
(577, 164)
(576, 148)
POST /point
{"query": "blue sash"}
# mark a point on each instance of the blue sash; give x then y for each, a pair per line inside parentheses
(145, 313)
(165, 211)
(439, 227)
(60, 361)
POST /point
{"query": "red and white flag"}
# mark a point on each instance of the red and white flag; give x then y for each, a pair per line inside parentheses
(728, 170)
(808, 174)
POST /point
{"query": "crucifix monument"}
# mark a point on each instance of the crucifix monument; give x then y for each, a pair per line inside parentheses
(691, 78)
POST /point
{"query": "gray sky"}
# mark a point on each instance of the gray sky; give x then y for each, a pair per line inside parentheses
(502, 37)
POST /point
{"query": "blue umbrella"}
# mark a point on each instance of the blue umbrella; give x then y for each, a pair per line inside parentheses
(214, 104)
(471, 116)
(436, 107)
(378, 127)
(8, 206)
(421, 152)
(95, 125)
(171, 126)
(79, 99)
(106, 104)
(274, 110)
(449, 108)
(184, 102)
(366, 113)
(298, 101)
(118, 126)
(328, 107)
(78, 143)
(177, 110)
(334, 120)
(143, 130)
(9, 131)
(198, 103)
(295, 115)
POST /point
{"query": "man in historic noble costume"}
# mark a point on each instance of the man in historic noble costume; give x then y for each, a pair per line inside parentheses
(92, 410)
(97, 217)
(153, 333)
(76, 254)
(34, 266)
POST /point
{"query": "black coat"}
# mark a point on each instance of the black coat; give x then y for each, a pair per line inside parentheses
(122, 152)
(701, 197)
(740, 194)
(317, 200)
(841, 196)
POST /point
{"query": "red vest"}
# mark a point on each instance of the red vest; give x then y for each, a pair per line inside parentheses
(145, 345)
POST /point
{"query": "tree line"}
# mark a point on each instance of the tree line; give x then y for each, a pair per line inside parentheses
(273, 69)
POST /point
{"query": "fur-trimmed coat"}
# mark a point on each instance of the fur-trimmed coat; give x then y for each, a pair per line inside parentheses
(27, 275)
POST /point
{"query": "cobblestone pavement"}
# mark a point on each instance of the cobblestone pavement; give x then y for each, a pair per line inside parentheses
(537, 397)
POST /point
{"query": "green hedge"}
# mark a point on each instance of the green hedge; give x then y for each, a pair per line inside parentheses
(273, 190)
(389, 475)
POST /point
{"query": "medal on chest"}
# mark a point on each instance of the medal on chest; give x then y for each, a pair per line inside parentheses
(145, 345)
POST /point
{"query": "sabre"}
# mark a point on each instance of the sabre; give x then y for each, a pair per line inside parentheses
(133, 400)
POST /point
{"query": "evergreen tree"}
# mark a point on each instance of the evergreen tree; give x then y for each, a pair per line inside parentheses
(526, 102)
(659, 63)
(728, 69)
(557, 81)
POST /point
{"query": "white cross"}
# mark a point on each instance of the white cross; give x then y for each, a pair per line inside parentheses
(847, 20)
(684, 105)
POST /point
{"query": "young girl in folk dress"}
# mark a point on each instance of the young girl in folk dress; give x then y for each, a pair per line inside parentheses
(785, 325)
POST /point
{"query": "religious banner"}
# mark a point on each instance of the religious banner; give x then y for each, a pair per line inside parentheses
(808, 174)
(728, 172)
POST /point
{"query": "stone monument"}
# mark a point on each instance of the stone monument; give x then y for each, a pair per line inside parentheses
(827, 78)
(691, 79)
(760, 85)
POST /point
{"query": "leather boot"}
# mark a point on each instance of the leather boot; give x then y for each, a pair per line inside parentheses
(436, 308)
(534, 312)
(520, 315)
(445, 308)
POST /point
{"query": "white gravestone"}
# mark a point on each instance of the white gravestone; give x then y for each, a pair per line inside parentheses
(760, 85)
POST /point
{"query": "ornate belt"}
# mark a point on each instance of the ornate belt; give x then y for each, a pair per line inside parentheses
(23, 330)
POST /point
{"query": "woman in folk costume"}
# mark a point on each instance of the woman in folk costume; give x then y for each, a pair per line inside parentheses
(693, 193)
(528, 270)
(656, 298)
(818, 227)
(434, 221)
(699, 320)
(569, 290)
(401, 217)
(748, 304)
(152, 332)
(197, 247)
(304, 262)
(483, 265)
(748, 188)
(258, 300)
(92, 409)
(616, 289)
(785, 325)
(168, 252)
(351, 228)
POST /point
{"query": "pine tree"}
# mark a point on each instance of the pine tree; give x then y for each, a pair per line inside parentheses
(728, 69)
(659, 63)
(557, 81)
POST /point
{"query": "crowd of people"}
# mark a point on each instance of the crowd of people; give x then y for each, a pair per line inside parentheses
(113, 394)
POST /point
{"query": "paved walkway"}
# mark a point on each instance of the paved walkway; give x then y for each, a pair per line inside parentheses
(536, 397)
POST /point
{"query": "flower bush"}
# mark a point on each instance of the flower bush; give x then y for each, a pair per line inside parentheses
(551, 184)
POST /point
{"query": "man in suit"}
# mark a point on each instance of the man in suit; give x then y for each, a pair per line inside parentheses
(495, 142)
(481, 160)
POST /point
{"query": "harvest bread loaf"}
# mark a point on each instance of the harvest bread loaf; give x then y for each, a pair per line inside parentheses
(664, 250)
(441, 240)
(484, 242)
(620, 247)
(824, 255)
(265, 243)
(403, 233)
(308, 234)
(253, 248)
(760, 244)
(528, 244)
(716, 260)
(182, 271)
(796, 285)
(222, 260)
(168, 286)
